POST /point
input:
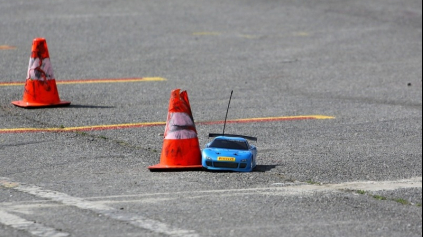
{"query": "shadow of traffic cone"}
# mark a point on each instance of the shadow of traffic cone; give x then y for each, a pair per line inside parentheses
(40, 87)
(181, 148)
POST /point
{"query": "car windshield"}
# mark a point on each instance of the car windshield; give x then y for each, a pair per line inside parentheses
(229, 144)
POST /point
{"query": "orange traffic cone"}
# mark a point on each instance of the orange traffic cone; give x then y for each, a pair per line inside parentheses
(40, 87)
(181, 148)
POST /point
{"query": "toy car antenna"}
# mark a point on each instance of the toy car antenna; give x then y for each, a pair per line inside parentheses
(224, 126)
(227, 111)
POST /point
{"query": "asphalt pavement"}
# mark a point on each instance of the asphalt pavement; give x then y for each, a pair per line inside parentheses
(357, 64)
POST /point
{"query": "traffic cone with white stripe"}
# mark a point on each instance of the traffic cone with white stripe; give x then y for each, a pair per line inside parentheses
(40, 87)
(181, 148)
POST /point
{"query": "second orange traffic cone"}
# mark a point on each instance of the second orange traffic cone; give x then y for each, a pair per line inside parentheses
(40, 87)
(181, 148)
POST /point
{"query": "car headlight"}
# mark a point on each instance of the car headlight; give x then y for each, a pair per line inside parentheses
(208, 158)
(244, 160)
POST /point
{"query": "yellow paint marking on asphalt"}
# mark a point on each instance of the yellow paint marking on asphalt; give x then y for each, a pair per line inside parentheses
(7, 47)
(285, 118)
(302, 33)
(206, 33)
(218, 33)
(146, 79)
(91, 81)
(152, 124)
(4, 84)
(250, 36)
(82, 128)
(96, 127)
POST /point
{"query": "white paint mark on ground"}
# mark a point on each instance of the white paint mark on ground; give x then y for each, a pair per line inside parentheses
(98, 204)
(99, 208)
(294, 189)
(31, 227)
(378, 185)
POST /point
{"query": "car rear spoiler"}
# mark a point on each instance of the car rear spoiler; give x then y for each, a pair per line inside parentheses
(232, 135)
